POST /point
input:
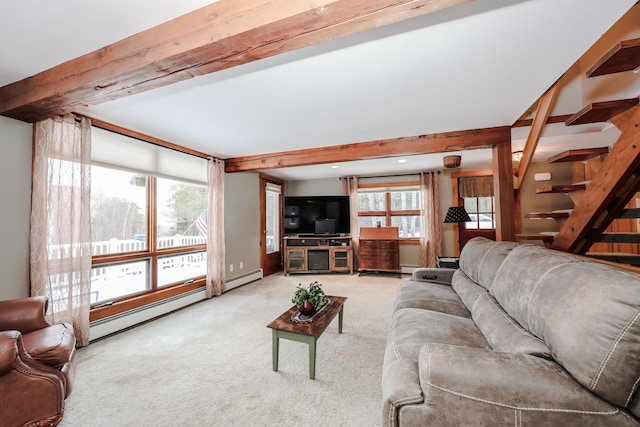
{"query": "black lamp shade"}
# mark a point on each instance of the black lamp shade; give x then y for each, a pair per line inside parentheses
(457, 214)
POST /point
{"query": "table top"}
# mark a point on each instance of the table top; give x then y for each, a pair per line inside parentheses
(315, 328)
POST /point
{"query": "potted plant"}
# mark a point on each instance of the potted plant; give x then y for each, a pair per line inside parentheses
(308, 300)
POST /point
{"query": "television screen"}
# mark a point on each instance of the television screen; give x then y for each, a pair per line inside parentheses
(316, 215)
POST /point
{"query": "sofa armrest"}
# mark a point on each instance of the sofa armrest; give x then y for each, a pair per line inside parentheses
(490, 386)
(8, 351)
(23, 314)
(32, 393)
(441, 276)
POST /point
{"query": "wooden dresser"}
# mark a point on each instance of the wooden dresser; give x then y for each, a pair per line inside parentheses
(379, 250)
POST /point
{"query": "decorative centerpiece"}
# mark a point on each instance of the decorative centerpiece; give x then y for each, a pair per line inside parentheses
(310, 299)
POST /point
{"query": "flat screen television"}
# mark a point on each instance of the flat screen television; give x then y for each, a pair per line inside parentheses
(316, 215)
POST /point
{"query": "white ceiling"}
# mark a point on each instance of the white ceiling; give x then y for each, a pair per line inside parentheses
(479, 65)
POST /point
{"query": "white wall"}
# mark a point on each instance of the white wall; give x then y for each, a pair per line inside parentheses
(314, 187)
(15, 208)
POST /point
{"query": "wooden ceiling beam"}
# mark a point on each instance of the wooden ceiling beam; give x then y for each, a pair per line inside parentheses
(218, 36)
(394, 147)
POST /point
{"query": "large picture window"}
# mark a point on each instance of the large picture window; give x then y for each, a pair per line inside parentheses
(397, 208)
(148, 218)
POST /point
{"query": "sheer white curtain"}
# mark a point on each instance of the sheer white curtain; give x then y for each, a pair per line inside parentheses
(61, 220)
(350, 188)
(215, 239)
(431, 238)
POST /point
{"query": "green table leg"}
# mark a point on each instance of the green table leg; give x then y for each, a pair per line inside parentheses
(340, 319)
(312, 359)
(275, 348)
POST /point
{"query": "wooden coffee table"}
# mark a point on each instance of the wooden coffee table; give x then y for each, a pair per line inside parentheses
(284, 327)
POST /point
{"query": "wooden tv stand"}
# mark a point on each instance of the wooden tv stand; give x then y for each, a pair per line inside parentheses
(318, 254)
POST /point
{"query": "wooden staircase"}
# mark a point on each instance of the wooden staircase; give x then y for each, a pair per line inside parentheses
(598, 203)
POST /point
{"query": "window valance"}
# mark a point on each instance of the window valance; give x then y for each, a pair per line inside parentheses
(475, 186)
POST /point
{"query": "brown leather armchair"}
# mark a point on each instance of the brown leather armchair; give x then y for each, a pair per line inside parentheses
(37, 364)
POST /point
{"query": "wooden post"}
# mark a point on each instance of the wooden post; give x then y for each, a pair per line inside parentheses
(503, 192)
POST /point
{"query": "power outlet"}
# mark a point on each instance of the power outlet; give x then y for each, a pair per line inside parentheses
(230, 267)
(241, 265)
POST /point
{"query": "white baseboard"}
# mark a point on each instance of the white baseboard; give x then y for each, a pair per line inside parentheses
(113, 324)
(408, 269)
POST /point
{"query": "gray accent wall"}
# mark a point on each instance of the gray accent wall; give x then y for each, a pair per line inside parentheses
(241, 223)
(15, 209)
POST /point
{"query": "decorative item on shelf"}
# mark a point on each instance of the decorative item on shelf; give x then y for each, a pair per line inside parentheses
(310, 299)
(457, 214)
(452, 160)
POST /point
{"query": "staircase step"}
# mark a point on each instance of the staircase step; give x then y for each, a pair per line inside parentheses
(566, 188)
(610, 190)
(620, 258)
(624, 56)
(545, 238)
(630, 213)
(578, 155)
(548, 215)
(600, 112)
(618, 237)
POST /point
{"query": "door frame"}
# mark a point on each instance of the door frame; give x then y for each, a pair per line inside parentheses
(462, 235)
(270, 263)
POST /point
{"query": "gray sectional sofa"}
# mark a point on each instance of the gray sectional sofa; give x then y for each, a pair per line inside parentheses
(520, 335)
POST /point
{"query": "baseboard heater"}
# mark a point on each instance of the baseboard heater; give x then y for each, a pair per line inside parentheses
(243, 279)
(103, 327)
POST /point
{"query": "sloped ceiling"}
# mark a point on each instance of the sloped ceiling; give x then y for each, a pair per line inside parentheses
(479, 65)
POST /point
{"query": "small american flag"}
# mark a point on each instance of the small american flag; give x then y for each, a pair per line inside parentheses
(201, 224)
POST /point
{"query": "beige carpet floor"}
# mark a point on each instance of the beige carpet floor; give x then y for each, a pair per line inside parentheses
(210, 364)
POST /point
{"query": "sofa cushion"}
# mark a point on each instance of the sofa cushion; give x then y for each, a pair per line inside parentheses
(588, 314)
(475, 387)
(411, 328)
(514, 289)
(503, 333)
(634, 404)
(430, 296)
(466, 289)
(53, 345)
(480, 259)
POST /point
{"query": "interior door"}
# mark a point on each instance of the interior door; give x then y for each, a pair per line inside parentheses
(270, 225)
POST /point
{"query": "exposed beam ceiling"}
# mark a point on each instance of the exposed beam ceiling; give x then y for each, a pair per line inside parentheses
(218, 36)
(340, 75)
(421, 144)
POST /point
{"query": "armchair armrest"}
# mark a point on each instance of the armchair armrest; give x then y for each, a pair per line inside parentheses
(8, 351)
(434, 275)
(488, 386)
(23, 314)
(32, 393)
